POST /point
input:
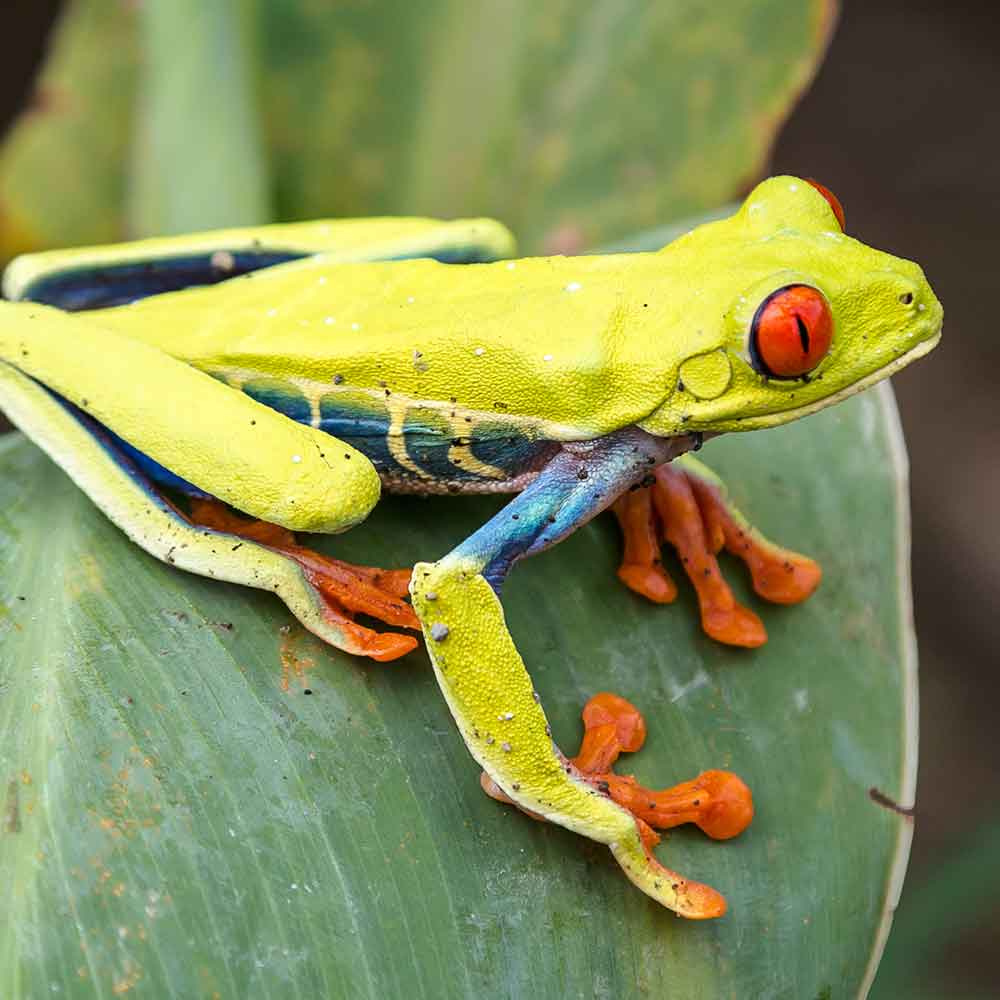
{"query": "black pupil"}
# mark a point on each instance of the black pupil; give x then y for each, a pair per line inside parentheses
(803, 333)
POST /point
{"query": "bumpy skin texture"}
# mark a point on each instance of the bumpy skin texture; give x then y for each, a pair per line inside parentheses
(581, 346)
(569, 379)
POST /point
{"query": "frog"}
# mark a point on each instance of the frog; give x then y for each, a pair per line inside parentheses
(217, 394)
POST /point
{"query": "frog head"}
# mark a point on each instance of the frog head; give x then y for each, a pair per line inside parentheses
(783, 314)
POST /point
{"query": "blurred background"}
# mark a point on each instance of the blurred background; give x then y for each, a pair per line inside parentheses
(902, 122)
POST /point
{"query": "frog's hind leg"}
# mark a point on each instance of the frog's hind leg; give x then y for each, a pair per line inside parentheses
(95, 459)
(489, 691)
(346, 588)
(688, 506)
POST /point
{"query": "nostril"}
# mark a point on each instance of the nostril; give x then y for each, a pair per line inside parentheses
(906, 298)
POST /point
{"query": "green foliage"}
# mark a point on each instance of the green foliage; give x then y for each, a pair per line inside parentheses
(177, 821)
(182, 820)
(575, 123)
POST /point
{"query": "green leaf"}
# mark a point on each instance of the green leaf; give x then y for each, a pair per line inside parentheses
(574, 123)
(178, 820)
(179, 823)
(200, 160)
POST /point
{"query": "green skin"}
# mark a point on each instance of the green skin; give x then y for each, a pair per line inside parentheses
(597, 368)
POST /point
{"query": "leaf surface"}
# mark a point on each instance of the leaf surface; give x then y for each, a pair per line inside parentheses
(180, 822)
(574, 123)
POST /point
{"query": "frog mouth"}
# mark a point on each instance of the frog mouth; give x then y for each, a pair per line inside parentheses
(775, 417)
(886, 371)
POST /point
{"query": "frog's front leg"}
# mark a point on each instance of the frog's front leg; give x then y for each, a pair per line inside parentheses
(686, 505)
(485, 681)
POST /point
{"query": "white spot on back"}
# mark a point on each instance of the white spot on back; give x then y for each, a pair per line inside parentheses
(574, 286)
(223, 260)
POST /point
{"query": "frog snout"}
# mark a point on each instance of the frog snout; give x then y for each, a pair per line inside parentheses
(923, 312)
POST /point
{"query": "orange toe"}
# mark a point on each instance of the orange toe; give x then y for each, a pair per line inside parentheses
(788, 578)
(394, 581)
(650, 581)
(735, 625)
(641, 570)
(718, 802)
(606, 708)
(702, 902)
(386, 646)
(779, 575)
(353, 587)
(344, 589)
(729, 809)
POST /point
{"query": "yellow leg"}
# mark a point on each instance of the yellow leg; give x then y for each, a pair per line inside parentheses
(490, 694)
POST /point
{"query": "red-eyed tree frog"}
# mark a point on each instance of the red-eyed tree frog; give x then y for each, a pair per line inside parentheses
(291, 372)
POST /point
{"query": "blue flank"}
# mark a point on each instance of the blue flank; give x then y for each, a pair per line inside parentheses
(279, 395)
(99, 287)
(363, 422)
(354, 417)
(138, 466)
(468, 254)
(102, 286)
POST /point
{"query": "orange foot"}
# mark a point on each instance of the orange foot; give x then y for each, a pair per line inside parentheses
(346, 589)
(687, 506)
(717, 801)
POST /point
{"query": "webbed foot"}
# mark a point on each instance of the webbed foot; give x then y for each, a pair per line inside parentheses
(345, 589)
(718, 802)
(687, 506)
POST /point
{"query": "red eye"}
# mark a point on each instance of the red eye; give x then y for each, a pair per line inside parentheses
(834, 201)
(791, 332)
